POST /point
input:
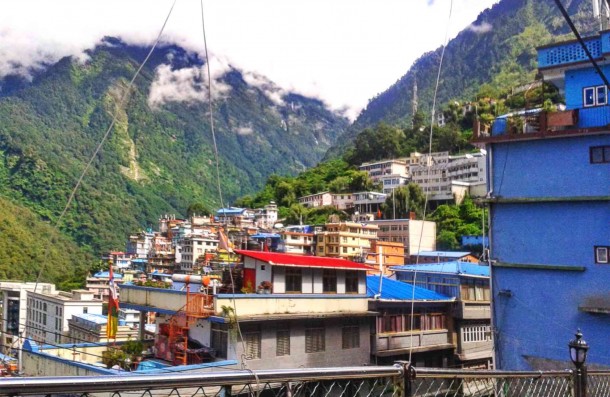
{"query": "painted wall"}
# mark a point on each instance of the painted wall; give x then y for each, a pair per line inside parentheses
(550, 168)
(254, 304)
(333, 356)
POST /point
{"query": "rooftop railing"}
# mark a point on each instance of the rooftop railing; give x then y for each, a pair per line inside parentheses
(399, 380)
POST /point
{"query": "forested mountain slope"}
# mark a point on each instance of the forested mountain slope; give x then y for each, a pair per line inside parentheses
(159, 157)
(497, 52)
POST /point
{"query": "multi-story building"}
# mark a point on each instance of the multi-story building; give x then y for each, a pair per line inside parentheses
(98, 284)
(468, 284)
(435, 172)
(140, 244)
(193, 247)
(393, 181)
(414, 234)
(266, 217)
(386, 253)
(238, 217)
(368, 202)
(550, 215)
(15, 310)
(48, 313)
(297, 240)
(413, 324)
(379, 169)
(89, 327)
(321, 199)
(345, 239)
(342, 201)
(314, 313)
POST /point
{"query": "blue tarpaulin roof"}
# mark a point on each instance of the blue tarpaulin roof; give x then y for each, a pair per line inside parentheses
(230, 211)
(453, 267)
(398, 290)
(265, 235)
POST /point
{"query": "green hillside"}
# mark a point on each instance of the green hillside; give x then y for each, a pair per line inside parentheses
(499, 54)
(157, 159)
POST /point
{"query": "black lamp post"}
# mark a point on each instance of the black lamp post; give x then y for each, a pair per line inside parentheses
(578, 355)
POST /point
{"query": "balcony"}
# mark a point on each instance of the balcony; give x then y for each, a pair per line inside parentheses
(538, 124)
(570, 52)
(389, 344)
(472, 310)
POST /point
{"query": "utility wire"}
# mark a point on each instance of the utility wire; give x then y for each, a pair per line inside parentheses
(438, 78)
(122, 101)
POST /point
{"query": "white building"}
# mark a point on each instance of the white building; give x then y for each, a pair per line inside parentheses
(140, 244)
(266, 217)
(416, 235)
(194, 246)
(434, 173)
(368, 202)
(14, 309)
(316, 200)
(48, 313)
(379, 169)
(393, 181)
(297, 240)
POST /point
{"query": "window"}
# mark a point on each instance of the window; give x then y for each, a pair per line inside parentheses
(475, 290)
(351, 282)
(219, 341)
(294, 280)
(599, 154)
(252, 338)
(315, 339)
(85, 309)
(282, 342)
(351, 337)
(329, 281)
(595, 96)
(601, 254)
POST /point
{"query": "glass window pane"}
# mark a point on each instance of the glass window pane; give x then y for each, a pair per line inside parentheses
(597, 155)
(601, 95)
(589, 97)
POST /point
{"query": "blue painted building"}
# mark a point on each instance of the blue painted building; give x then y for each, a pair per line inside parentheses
(549, 197)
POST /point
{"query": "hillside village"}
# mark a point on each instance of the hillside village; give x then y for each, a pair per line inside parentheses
(352, 268)
(245, 288)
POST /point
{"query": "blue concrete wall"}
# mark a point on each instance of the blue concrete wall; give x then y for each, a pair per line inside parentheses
(542, 314)
(576, 80)
(551, 233)
(550, 168)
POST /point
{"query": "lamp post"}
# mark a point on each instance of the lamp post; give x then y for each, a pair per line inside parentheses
(578, 355)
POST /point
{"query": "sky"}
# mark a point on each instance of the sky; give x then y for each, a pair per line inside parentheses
(343, 52)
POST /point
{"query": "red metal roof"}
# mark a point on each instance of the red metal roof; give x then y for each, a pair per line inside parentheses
(274, 258)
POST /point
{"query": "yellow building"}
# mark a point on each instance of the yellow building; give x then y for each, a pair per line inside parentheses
(346, 240)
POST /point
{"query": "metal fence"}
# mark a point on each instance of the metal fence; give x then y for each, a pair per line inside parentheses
(400, 380)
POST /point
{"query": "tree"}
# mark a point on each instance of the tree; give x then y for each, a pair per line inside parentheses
(403, 200)
(197, 209)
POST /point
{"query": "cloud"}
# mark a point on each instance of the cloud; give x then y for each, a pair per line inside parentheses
(484, 27)
(187, 85)
(269, 89)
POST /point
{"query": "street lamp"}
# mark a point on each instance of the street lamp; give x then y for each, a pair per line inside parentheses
(578, 355)
(578, 350)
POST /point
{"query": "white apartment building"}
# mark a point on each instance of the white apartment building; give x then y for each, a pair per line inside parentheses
(368, 202)
(434, 173)
(194, 246)
(378, 169)
(316, 200)
(342, 201)
(48, 313)
(345, 239)
(266, 217)
(13, 296)
(393, 181)
(296, 240)
(416, 235)
(140, 244)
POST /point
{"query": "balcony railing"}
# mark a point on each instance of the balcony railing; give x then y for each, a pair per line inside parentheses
(535, 124)
(388, 381)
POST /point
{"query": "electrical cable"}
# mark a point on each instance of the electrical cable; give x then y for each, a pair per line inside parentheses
(120, 104)
(428, 161)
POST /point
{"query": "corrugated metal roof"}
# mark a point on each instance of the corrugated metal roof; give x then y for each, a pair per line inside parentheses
(453, 267)
(445, 254)
(398, 290)
(275, 258)
(106, 274)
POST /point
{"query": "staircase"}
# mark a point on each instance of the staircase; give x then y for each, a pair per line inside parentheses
(197, 306)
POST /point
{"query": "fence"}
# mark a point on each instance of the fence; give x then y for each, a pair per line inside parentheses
(400, 380)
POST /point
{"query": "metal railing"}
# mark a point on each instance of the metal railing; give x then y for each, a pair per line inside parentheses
(400, 380)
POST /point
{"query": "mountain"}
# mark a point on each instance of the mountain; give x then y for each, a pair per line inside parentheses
(497, 50)
(159, 157)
